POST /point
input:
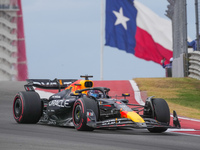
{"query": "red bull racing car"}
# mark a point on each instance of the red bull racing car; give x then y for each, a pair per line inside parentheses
(85, 107)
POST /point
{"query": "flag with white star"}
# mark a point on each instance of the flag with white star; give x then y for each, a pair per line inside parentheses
(120, 24)
(134, 28)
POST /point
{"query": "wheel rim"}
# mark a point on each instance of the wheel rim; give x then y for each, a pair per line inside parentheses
(17, 108)
(77, 114)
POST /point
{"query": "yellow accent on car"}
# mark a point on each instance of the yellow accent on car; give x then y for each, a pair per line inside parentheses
(60, 82)
(126, 94)
(135, 117)
(80, 84)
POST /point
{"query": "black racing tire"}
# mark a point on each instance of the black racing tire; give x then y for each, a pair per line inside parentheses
(79, 114)
(161, 114)
(27, 107)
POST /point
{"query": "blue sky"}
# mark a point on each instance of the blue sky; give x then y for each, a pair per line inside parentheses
(63, 41)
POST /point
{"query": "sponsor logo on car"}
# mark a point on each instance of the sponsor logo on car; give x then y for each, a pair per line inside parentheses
(59, 103)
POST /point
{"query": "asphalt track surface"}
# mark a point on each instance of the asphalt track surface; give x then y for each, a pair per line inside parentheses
(15, 136)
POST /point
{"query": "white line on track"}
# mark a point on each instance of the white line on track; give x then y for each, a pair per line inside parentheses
(191, 119)
(182, 133)
(137, 92)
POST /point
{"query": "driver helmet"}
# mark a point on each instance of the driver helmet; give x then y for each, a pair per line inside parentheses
(93, 93)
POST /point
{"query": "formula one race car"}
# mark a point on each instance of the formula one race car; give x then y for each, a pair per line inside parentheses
(86, 107)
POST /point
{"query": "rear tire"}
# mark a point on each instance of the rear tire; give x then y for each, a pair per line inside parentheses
(79, 113)
(27, 107)
(161, 114)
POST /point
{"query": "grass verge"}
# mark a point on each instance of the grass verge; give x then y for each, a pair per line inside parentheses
(181, 94)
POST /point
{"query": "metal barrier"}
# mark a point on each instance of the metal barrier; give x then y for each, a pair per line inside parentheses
(177, 13)
(194, 65)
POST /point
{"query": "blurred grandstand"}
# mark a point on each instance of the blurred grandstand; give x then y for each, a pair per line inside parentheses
(13, 64)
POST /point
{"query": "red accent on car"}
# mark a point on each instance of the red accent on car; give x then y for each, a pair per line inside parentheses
(88, 120)
(123, 114)
(107, 105)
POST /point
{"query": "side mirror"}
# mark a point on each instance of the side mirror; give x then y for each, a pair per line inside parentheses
(125, 95)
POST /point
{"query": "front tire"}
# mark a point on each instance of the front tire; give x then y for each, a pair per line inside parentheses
(27, 107)
(79, 113)
(161, 114)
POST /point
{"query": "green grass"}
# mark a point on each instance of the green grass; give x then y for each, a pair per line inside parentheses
(182, 94)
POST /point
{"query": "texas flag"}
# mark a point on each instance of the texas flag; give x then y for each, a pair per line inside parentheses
(133, 27)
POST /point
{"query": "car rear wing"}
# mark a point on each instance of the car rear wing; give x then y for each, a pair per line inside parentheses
(48, 84)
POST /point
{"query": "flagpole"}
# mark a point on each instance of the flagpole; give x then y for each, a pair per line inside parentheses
(102, 39)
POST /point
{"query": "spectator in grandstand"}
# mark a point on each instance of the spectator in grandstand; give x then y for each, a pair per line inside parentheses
(167, 65)
(193, 44)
